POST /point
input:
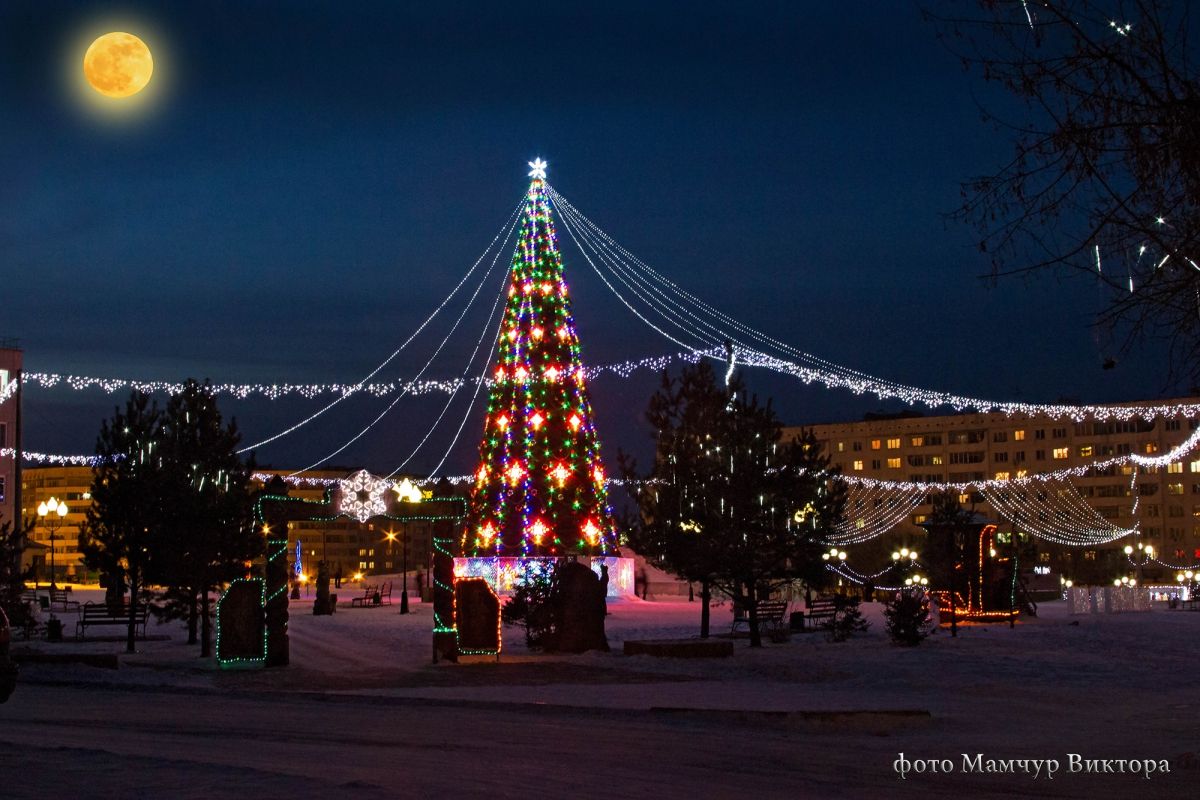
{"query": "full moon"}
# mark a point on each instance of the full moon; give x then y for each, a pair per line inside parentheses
(118, 65)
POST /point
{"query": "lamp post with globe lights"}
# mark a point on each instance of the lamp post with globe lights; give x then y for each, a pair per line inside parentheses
(407, 492)
(51, 513)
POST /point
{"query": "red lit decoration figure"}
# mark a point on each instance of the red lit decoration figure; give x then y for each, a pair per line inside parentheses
(539, 488)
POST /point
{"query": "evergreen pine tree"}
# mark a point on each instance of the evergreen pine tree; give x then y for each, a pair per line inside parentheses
(126, 514)
(728, 501)
(13, 541)
(540, 486)
(209, 537)
(906, 617)
(847, 619)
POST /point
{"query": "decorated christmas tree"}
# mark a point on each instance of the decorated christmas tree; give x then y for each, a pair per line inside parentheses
(539, 489)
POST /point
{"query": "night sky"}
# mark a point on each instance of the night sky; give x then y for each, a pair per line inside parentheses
(305, 181)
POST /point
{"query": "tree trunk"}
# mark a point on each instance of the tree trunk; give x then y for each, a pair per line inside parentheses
(193, 617)
(705, 613)
(205, 625)
(131, 632)
(752, 611)
(953, 600)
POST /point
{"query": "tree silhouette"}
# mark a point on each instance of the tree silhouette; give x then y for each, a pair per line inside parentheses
(126, 513)
(727, 502)
(1105, 178)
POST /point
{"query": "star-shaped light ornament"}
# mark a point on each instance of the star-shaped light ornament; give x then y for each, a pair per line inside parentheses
(538, 171)
(362, 495)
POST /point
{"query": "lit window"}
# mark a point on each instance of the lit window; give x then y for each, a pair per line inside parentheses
(1021, 473)
(1061, 453)
(1151, 447)
(918, 441)
(876, 444)
(1194, 466)
(893, 463)
(919, 518)
(1018, 436)
(858, 465)
(1086, 450)
(1177, 467)
(1002, 476)
(841, 447)
(893, 444)
(1174, 488)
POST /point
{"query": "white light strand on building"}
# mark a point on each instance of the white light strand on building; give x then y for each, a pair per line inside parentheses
(1174, 455)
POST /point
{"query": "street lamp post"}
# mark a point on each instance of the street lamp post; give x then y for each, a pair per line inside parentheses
(52, 513)
(404, 581)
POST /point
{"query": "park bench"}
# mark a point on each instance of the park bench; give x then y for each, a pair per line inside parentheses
(58, 597)
(820, 610)
(93, 614)
(385, 594)
(367, 600)
(29, 596)
(770, 617)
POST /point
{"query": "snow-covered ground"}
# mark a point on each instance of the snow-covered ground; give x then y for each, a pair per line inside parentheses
(362, 702)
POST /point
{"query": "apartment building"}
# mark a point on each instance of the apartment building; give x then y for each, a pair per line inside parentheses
(994, 446)
(350, 547)
(10, 367)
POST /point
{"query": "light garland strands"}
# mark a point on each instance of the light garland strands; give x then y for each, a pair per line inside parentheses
(539, 489)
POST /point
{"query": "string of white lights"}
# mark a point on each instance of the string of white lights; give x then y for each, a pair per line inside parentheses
(50, 458)
(466, 370)
(710, 342)
(885, 508)
(1174, 455)
(848, 378)
(508, 226)
(1056, 513)
(813, 369)
(309, 391)
(428, 362)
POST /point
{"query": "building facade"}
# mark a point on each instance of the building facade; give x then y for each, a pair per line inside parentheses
(1163, 501)
(350, 547)
(10, 368)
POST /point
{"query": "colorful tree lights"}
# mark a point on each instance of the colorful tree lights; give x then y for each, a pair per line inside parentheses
(539, 489)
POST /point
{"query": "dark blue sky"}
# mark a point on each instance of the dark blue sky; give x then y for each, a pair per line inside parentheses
(308, 179)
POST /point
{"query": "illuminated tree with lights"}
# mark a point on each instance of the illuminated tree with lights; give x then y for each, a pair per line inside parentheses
(728, 503)
(539, 489)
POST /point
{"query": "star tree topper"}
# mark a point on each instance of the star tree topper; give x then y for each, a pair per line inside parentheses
(539, 169)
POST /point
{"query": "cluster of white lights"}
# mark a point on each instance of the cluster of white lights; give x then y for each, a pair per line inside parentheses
(688, 321)
(872, 511)
(1057, 513)
(362, 495)
(275, 391)
(51, 458)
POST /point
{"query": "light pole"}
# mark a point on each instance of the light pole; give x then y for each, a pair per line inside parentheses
(408, 492)
(51, 513)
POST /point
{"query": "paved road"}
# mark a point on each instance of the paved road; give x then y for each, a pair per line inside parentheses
(81, 742)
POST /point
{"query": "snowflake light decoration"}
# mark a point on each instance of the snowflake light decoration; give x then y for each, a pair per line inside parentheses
(362, 495)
